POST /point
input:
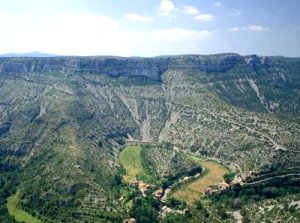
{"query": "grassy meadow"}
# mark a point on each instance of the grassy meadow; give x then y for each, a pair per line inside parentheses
(130, 158)
(194, 190)
(19, 214)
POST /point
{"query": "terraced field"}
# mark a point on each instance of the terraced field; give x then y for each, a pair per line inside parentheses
(130, 158)
(19, 214)
(194, 190)
(62, 119)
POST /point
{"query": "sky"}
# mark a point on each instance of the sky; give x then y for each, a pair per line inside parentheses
(150, 27)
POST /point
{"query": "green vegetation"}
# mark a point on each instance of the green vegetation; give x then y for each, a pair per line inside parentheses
(63, 120)
(228, 177)
(237, 196)
(9, 179)
(265, 201)
(192, 191)
(145, 210)
(167, 165)
(171, 218)
(283, 209)
(19, 214)
(177, 204)
(130, 158)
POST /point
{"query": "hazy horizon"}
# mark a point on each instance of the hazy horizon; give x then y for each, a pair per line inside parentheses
(150, 28)
(45, 54)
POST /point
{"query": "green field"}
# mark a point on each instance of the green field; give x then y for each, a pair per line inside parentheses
(194, 190)
(130, 158)
(17, 212)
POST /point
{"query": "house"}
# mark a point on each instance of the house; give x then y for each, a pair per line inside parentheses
(158, 193)
(144, 188)
(130, 220)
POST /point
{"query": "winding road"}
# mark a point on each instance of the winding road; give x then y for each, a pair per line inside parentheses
(269, 178)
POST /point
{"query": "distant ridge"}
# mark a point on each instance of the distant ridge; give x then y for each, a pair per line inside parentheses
(31, 54)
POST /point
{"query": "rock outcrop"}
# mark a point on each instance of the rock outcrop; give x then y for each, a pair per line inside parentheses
(151, 68)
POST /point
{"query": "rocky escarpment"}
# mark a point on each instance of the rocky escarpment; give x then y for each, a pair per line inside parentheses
(151, 68)
(61, 122)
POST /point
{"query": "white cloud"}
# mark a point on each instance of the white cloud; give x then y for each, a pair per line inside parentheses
(179, 34)
(253, 28)
(234, 29)
(139, 18)
(257, 28)
(88, 34)
(179, 41)
(204, 17)
(191, 10)
(166, 7)
(218, 4)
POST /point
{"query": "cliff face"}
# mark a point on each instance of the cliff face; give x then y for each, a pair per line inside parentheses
(257, 83)
(151, 68)
(61, 119)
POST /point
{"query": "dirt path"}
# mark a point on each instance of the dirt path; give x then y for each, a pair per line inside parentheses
(237, 216)
(269, 178)
(194, 190)
(267, 137)
(272, 141)
(55, 86)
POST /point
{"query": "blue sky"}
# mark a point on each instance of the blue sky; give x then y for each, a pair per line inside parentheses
(150, 27)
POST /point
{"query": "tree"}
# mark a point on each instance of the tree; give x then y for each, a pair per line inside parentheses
(222, 213)
(228, 177)
(144, 210)
(117, 180)
(198, 205)
(174, 203)
(194, 148)
(171, 218)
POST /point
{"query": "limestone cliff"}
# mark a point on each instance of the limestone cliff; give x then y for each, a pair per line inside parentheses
(151, 68)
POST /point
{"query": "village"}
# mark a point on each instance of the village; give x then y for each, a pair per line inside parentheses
(162, 194)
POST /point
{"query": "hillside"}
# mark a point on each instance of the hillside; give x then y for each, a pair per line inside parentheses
(62, 120)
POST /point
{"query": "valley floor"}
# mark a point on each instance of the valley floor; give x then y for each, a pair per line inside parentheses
(19, 214)
(192, 191)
